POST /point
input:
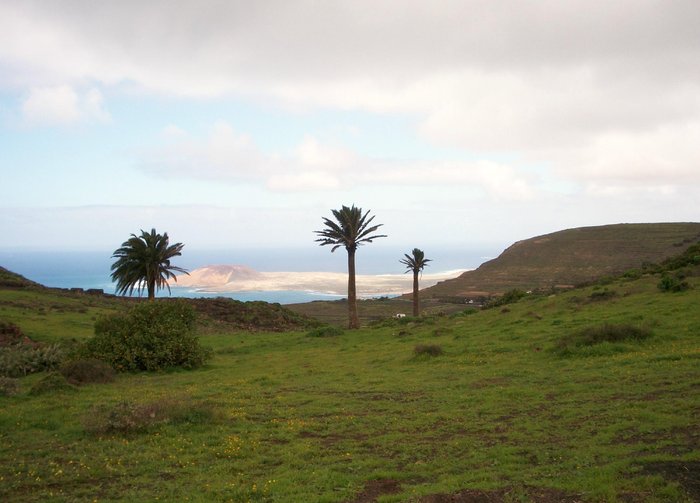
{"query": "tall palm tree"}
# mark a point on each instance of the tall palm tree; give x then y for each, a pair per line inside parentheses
(350, 229)
(415, 262)
(144, 262)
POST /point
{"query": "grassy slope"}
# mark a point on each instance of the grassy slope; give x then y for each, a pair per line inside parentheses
(308, 419)
(571, 257)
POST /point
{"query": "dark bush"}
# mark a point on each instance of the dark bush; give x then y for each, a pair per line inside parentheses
(51, 382)
(86, 371)
(607, 332)
(600, 295)
(670, 283)
(151, 336)
(427, 350)
(10, 334)
(327, 331)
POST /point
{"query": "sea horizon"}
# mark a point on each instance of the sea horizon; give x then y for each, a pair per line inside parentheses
(91, 269)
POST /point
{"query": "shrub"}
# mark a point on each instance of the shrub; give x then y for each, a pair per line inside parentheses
(10, 333)
(9, 386)
(327, 331)
(131, 417)
(670, 283)
(151, 336)
(20, 360)
(51, 382)
(600, 295)
(87, 370)
(608, 332)
(509, 297)
(427, 350)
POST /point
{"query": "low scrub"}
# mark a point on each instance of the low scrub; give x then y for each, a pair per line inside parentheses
(21, 360)
(51, 383)
(86, 371)
(606, 333)
(509, 297)
(427, 350)
(10, 334)
(9, 386)
(151, 336)
(327, 331)
(132, 417)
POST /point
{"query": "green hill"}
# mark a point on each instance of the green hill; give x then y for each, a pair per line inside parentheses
(570, 257)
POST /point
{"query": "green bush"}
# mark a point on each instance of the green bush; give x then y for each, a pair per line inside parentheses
(87, 370)
(670, 283)
(21, 360)
(327, 331)
(606, 333)
(151, 336)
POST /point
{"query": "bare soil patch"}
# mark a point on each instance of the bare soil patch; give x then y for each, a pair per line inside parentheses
(686, 473)
(376, 488)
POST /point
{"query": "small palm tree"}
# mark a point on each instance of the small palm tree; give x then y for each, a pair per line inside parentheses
(415, 262)
(144, 262)
(350, 229)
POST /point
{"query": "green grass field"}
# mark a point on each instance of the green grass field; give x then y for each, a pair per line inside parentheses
(284, 417)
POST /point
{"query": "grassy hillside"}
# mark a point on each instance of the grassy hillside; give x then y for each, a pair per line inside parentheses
(570, 257)
(479, 406)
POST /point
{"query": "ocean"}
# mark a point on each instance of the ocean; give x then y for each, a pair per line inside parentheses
(91, 269)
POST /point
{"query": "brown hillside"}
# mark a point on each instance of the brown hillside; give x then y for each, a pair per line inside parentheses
(570, 257)
(9, 279)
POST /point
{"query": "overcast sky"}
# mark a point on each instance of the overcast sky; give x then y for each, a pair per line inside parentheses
(240, 124)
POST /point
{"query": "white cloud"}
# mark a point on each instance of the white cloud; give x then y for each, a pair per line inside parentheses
(231, 157)
(52, 106)
(606, 94)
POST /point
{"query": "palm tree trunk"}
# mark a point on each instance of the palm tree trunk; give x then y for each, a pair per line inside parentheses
(151, 285)
(354, 320)
(416, 300)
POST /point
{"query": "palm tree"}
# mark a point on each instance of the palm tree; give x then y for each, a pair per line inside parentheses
(350, 229)
(415, 262)
(144, 262)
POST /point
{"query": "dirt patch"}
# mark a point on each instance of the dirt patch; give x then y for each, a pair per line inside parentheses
(376, 488)
(686, 473)
(534, 494)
